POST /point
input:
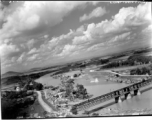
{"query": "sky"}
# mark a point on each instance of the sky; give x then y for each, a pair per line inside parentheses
(45, 33)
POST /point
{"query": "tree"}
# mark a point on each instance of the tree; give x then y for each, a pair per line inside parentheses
(25, 115)
(86, 112)
(141, 71)
(37, 86)
(62, 90)
(95, 114)
(69, 88)
(74, 110)
(69, 91)
(44, 113)
(103, 61)
(81, 91)
(75, 75)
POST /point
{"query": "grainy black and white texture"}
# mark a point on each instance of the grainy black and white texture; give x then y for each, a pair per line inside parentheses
(101, 46)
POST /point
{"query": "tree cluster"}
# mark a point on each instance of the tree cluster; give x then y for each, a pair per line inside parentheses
(14, 102)
(15, 95)
(76, 75)
(34, 86)
(81, 92)
(69, 89)
(74, 110)
(142, 59)
(70, 92)
(104, 61)
(132, 60)
(141, 71)
(23, 78)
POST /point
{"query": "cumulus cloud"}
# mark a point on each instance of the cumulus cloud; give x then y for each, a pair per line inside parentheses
(46, 36)
(33, 57)
(53, 46)
(85, 38)
(95, 2)
(7, 41)
(80, 29)
(32, 51)
(26, 17)
(21, 58)
(80, 40)
(124, 20)
(148, 29)
(103, 32)
(118, 28)
(32, 15)
(95, 47)
(97, 12)
(7, 49)
(67, 50)
(125, 26)
(13, 59)
(7, 63)
(56, 45)
(119, 37)
(30, 43)
(133, 16)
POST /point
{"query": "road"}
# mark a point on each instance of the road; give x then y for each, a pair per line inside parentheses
(45, 106)
(123, 75)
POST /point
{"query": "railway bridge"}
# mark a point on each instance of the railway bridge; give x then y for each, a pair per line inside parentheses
(126, 91)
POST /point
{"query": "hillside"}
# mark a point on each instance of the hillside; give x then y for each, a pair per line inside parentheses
(10, 73)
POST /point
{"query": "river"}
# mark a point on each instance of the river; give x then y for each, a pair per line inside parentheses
(102, 86)
(95, 88)
(144, 101)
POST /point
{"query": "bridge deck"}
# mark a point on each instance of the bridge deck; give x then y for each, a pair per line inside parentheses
(113, 94)
(112, 101)
(98, 90)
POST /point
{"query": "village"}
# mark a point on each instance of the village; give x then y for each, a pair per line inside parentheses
(62, 97)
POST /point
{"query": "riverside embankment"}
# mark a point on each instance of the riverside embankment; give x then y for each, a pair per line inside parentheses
(45, 106)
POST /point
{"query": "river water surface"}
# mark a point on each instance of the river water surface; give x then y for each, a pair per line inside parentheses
(142, 102)
(101, 86)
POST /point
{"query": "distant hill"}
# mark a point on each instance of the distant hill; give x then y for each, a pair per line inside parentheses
(10, 73)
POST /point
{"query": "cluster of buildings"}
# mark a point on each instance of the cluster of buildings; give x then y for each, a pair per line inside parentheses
(119, 80)
(60, 76)
(128, 79)
(58, 100)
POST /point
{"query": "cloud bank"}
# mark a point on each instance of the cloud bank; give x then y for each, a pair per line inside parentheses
(131, 25)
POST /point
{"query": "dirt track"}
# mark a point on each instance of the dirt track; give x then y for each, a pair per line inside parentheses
(45, 106)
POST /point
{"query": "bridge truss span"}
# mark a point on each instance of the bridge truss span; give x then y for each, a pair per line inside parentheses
(126, 91)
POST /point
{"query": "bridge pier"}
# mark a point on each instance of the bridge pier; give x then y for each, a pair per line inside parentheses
(127, 92)
(118, 99)
(137, 92)
(127, 96)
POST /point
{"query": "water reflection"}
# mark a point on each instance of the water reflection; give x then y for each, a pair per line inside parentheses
(144, 101)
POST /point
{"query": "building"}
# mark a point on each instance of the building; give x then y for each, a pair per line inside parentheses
(91, 70)
(18, 88)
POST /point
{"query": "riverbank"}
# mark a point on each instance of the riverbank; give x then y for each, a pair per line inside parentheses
(119, 112)
(48, 103)
(45, 106)
(111, 102)
(140, 105)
